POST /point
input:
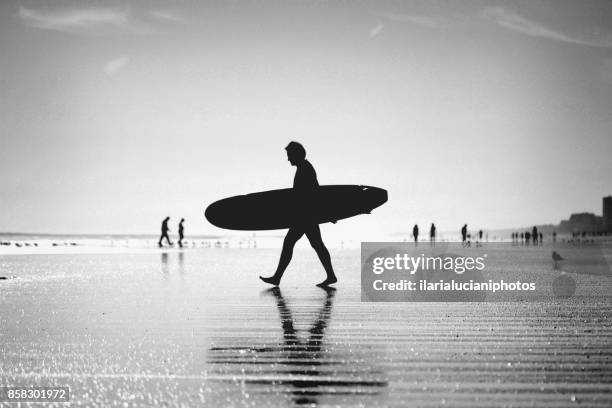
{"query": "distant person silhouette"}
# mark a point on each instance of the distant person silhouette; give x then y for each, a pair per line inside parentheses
(305, 185)
(432, 234)
(464, 235)
(415, 234)
(164, 232)
(541, 239)
(554, 236)
(181, 230)
(534, 235)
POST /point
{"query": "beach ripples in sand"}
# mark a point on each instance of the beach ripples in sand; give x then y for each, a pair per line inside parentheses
(197, 327)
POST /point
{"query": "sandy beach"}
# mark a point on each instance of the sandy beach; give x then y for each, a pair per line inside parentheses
(444, 165)
(193, 327)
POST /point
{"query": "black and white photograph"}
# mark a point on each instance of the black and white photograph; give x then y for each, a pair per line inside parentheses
(317, 203)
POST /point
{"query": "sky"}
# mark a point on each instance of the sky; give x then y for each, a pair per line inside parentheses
(115, 114)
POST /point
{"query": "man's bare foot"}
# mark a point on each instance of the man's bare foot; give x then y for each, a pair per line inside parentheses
(271, 280)
(327, 282)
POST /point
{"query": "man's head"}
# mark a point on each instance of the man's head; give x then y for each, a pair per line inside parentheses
(182, 220)
(167, 218)
(295, 153)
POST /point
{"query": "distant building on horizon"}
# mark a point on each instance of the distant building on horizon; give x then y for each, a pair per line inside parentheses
(589, 222)
(607, 214)
(582, 222)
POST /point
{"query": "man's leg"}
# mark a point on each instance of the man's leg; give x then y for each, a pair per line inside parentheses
(313, 233)
(293, 235)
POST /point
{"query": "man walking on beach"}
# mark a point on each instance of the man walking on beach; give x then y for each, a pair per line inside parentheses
(305, 185)
(181, 229)
(415, 234)
(164, 232)
(432, 234)
(464, 235)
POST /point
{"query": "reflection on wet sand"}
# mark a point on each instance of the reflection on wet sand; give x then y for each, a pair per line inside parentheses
(118, 331)
(164, 262)
(302, 367)
(181, 262)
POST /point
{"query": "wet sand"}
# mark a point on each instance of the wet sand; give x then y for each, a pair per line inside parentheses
(193, 327)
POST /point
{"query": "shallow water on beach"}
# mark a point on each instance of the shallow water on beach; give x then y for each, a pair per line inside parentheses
(182, 328)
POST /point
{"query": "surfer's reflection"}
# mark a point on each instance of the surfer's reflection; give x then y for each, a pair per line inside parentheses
(300, 366)
(315, 338)
(304, 352)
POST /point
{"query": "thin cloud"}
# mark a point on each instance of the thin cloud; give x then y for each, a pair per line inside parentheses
(167, 16)
(515, 22)
(420, 20)
(89, 20)
(98, 20)
(116, 65)
(376, 30)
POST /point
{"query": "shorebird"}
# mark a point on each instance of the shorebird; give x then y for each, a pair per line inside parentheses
(556, 259)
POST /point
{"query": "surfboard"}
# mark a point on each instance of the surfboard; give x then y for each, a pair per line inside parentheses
(281, 209)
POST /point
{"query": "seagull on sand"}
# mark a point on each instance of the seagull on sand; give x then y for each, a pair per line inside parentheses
(556, 259)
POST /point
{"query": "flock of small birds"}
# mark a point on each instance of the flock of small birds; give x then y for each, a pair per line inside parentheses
(193, 244)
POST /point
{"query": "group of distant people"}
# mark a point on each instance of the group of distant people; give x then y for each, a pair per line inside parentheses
(432, 234)
(529, 237)
(165, 230)
(466, 237)
(534, 237)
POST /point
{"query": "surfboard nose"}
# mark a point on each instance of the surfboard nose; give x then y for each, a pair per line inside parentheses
(209, 214)
(376, 196)
(213, 213)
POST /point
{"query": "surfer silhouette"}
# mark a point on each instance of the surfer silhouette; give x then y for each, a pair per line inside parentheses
(305, 185)
(164, 232)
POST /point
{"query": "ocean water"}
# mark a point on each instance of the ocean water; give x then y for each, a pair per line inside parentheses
(196, 326)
